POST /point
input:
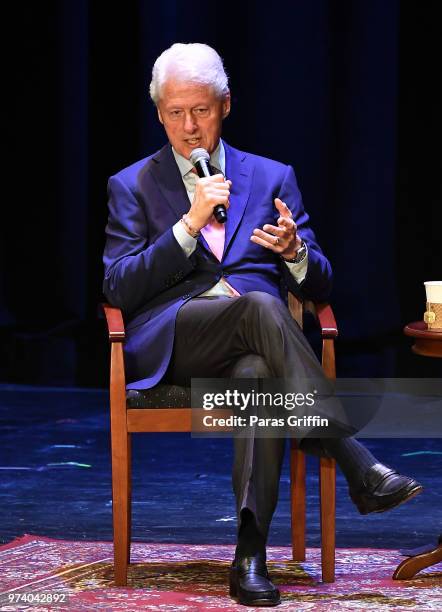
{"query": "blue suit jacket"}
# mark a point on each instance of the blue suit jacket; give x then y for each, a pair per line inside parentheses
(147, 273)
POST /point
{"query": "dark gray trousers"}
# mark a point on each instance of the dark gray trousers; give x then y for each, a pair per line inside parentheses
(252, 336)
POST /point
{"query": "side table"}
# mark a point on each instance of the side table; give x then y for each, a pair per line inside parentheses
(427, 342)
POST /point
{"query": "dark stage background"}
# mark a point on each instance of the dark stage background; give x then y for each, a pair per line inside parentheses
(346, 91)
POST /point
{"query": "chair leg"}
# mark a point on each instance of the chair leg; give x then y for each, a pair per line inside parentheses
(120, 450)
(297, 495)
(327, 496)
(121, 506)
(129, 495)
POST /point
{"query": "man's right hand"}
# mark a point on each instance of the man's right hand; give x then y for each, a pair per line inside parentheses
(209, 191)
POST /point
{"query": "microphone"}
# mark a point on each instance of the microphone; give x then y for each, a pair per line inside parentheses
(199, 158)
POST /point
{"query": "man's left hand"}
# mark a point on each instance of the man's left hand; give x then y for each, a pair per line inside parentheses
(281, 239)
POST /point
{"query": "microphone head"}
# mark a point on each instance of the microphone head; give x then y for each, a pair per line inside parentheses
(197, 155)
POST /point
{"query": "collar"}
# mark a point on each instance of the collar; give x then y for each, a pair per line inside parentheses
(217, 160)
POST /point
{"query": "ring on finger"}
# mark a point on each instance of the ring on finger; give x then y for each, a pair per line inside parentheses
(276, 241)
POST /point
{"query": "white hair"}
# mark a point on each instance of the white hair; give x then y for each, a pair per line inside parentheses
(193, 62)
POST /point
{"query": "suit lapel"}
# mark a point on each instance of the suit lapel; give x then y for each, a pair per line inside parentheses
(168, 178)
(239, 170)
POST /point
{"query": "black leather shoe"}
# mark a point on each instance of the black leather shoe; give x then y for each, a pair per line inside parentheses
(383, 489)
(250, 582)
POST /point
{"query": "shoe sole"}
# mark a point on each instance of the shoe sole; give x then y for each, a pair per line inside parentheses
(258, 603)
(412, 493)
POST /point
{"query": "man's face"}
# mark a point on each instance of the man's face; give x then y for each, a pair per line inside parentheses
(192, 115)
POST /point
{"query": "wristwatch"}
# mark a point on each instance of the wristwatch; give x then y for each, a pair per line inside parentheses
(300, 255)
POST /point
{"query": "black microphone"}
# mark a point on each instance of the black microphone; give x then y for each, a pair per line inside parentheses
(199, 158)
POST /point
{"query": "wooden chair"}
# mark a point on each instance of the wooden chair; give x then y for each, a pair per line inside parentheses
(126, 420)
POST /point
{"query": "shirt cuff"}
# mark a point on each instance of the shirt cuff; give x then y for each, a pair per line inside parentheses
(298, 270)
(185, 240)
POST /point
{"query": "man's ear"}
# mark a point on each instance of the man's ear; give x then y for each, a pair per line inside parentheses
(159, 116)
(226, 105)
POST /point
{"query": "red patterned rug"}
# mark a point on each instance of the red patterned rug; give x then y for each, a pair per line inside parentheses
(169, 577)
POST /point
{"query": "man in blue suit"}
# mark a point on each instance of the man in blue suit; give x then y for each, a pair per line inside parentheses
(206, 300)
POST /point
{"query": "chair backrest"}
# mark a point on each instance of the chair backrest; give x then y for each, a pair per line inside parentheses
(296, 308)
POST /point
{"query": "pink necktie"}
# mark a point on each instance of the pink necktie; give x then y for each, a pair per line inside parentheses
(215, 234)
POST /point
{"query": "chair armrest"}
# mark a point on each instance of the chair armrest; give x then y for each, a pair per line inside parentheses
(115, 323)
(327, 321)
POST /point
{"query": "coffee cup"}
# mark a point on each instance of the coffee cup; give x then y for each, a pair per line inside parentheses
(433, 314)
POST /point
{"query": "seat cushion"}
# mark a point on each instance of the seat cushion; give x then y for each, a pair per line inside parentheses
(161, 396)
